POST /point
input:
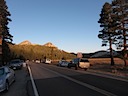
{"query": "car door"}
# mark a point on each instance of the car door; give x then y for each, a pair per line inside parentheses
(9, 75)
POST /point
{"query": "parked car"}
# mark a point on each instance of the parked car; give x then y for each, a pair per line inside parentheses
(16, 64)
(48, 61)
(59, 63)
(63, 63)
(7, 77)
(23, 63)
(79, 63)
(37, 61)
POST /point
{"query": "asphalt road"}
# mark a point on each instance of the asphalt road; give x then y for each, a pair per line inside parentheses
(52, 80)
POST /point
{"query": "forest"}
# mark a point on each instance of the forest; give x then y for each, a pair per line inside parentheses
(33, 52)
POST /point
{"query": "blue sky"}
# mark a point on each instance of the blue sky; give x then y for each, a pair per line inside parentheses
(71, 25)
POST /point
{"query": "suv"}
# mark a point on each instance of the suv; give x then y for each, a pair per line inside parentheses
(16, 64)
(79, 63)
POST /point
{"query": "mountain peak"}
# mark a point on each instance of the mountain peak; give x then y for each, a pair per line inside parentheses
(26, 42)
(49, 44)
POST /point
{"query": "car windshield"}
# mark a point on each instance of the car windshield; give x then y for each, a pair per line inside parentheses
(1, 71)
(12, 62)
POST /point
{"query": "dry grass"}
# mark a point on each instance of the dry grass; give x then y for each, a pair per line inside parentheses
(94, 61)
(104, 65)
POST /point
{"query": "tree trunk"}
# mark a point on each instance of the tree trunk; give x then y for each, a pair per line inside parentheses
(125, 55)
(111, 53)
(125, 60)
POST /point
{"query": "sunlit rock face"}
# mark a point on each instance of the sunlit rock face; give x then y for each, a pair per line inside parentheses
(49, 44)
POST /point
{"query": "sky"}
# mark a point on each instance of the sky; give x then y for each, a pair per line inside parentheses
(71, 25)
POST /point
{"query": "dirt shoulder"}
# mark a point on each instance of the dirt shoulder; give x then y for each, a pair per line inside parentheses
(117, 70)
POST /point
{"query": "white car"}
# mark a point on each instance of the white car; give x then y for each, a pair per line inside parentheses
(48, 61)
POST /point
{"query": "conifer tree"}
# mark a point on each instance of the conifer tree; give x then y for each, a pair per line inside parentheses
(120, 11)
(107, 34)
(4, 30)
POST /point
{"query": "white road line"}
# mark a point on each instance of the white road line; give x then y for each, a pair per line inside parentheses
(33, 83)
(83, 84)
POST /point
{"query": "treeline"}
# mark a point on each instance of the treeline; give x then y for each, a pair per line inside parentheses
(33, 52)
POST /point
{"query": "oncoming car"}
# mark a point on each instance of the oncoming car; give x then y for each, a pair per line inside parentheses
(7, 77)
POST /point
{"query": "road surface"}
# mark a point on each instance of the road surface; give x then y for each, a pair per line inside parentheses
(51, 80)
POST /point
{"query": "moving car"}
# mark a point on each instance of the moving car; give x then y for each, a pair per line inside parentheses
(63, 63)
(16, 64)
(79, 63)
(7, 77)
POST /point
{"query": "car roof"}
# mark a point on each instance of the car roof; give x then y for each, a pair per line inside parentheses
(4, 67)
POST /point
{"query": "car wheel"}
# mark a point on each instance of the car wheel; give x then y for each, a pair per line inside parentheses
(76, 67)
(7, 86)
(14, 77)
(69, 66)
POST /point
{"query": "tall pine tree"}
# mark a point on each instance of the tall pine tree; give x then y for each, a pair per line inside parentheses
(120, 10)
(107, 34)
(4, 30)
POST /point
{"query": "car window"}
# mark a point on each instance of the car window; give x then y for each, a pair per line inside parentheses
(15, 62)
(7, 70)
(1, 71)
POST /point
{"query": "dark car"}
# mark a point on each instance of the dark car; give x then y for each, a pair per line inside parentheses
(16, 64)
(79, 63)
(7, 76)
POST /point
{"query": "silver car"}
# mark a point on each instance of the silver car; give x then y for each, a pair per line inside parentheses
(7, 77)
(63, 63)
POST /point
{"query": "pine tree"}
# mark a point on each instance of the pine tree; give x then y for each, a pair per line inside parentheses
(107, 34)
(4, 30)
(120, 10)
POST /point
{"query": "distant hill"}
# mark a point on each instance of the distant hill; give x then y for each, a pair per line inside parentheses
(104, 54)
(26, 42)
(98, 54)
